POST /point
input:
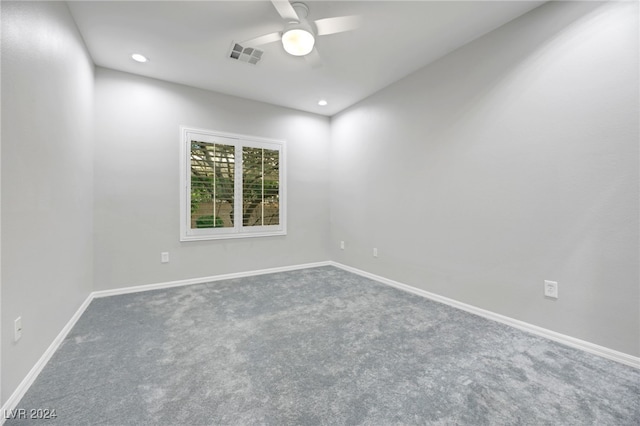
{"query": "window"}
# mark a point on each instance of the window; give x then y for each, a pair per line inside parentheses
(232, 186)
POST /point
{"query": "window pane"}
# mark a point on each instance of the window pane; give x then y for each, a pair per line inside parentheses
(260, 187)
(212, 177)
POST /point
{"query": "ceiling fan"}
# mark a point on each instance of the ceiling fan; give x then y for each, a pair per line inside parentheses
(299, 34)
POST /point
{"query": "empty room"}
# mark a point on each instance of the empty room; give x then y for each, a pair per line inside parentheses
(320, 212)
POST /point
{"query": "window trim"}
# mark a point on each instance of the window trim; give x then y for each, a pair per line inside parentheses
(238, 230)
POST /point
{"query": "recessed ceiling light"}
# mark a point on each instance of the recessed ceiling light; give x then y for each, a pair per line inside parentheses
(322, 102)
(139, 58)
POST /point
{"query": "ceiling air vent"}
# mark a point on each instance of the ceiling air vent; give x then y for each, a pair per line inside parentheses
(245, 54)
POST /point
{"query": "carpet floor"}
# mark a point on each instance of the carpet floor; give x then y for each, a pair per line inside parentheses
(317, 346)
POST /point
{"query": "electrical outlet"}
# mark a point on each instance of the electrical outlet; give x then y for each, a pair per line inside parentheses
(164, 257)
(551, 289)
(17, 329)
(341, 245)
(375, 252)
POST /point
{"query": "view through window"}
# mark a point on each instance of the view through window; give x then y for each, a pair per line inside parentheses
(233, 186)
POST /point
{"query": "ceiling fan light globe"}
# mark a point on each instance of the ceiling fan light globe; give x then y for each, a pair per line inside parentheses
(298, 42)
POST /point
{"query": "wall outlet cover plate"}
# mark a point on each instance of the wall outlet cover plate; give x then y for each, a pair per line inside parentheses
(551, 289)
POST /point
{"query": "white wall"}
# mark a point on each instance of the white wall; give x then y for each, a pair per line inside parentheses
(510, 161)
(47, 110)
(137, 174)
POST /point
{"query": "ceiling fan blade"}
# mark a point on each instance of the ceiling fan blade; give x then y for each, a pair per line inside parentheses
(285, 10)
(264, 39)
(338, 24)
(314, 59)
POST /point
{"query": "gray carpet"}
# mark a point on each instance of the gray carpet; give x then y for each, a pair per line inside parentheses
(317, 346)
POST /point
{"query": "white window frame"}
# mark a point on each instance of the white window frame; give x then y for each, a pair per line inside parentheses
(187, 134)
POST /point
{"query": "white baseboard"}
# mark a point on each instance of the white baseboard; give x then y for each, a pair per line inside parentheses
(592, 348)
(179, 283)
(602, 351)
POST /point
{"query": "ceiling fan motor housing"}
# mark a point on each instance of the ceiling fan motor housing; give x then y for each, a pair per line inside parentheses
(301, 9)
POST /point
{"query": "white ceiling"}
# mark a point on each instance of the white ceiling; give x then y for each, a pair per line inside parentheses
(188, 42)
